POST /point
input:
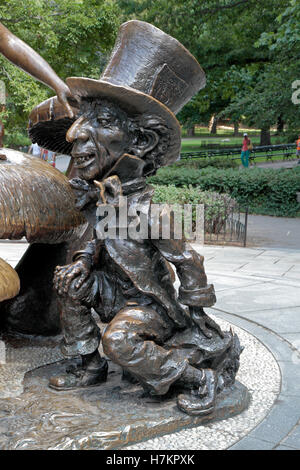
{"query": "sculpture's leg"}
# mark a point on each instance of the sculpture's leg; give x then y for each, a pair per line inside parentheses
(81, 337)
(34, 310)
(133, 340)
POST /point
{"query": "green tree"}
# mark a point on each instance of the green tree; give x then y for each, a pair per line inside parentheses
(224, 36)
(264, 93)
(74, 36)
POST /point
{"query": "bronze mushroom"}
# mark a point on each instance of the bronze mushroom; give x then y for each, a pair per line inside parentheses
(9, 281)
(36, 201)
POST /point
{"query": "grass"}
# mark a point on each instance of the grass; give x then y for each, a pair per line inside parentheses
(259, 159)
(221, 131)
(223, 138)
(194, 144)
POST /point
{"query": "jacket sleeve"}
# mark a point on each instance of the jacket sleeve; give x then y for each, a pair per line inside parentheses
(90, 252)
(193, 290)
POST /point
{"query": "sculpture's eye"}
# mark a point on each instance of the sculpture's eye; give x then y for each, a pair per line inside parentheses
(103, 121)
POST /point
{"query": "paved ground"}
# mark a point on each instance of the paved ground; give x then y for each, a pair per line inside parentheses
(257, 290)
(274, 232)
(277, 164)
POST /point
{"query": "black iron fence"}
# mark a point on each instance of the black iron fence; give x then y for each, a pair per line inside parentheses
(220, 224)
(227, 226)
(286, 151)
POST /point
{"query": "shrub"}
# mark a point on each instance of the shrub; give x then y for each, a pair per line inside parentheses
(216, 162)
(16, 139)
(218, 207)
(265, 191)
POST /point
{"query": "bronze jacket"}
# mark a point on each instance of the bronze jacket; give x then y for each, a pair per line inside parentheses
(144, 260)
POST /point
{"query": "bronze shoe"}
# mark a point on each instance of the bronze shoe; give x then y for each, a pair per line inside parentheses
(78, 378)
(201, 401)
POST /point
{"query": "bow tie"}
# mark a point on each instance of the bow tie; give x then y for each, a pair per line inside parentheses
(125, 178)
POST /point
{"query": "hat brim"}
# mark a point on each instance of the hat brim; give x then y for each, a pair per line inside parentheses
(48, 125)
(53, 130)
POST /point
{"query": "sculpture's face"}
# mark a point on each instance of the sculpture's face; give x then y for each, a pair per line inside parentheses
(100, 138)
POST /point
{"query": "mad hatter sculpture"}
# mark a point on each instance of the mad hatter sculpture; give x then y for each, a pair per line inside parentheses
(126, 130)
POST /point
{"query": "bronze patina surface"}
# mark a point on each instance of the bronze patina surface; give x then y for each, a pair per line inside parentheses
(110, 416)
(36, 201)
(9, 281)
(24, 57)
(125, 130)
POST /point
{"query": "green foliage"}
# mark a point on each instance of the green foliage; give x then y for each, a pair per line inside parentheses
(249, 50)
(222, 162)
(225, 37)
(265, 191)
(264, 93)
(217, 206)
(16, 139)
(73, 36)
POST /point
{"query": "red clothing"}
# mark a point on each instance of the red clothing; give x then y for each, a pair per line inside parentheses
(298, 144)
(246, 142)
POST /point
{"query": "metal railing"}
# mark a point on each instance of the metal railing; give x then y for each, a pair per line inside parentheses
(227, 228)
(287, 151)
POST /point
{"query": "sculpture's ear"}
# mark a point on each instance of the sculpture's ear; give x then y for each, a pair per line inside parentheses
(144, 141)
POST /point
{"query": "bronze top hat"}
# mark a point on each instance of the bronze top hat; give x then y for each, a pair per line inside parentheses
(148, 72)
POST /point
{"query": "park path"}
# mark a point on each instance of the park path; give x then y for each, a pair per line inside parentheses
(273, 232)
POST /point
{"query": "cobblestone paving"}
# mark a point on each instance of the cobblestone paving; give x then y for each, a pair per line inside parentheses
(263, 384)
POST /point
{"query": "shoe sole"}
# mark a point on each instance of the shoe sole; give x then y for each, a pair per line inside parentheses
(65, 389)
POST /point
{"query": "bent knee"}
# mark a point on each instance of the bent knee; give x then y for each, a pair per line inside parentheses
(115, 343)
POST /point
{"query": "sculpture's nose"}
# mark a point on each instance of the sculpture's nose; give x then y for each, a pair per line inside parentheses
(77, 131)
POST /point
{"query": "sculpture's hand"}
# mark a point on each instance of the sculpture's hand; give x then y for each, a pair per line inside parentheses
(64, 275)
(63, 93)
(204, 322)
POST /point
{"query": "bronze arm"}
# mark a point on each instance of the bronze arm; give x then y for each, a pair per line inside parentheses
(24, 57)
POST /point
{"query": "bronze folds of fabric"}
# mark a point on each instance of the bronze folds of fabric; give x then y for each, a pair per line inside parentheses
(36, 201)
(9, 281)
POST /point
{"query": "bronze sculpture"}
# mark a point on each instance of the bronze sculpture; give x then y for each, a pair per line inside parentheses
(46, 216)
(125, 131)
(24, 57)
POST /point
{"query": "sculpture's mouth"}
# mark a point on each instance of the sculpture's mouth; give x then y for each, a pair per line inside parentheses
(84, 160)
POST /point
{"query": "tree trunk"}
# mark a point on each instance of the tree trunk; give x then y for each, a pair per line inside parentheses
(265, 137)
(213, 125)
(236, 129)
(1, 133)
(190, 132)
(280, 125)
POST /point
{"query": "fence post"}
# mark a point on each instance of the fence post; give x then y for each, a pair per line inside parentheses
(246, 226)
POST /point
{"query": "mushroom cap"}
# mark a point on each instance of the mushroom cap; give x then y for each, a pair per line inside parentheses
(36, 201)
(9, 281)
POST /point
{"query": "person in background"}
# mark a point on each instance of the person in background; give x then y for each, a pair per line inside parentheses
(44, 155)
(35, 150)
(246, 151)
(298, 149)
